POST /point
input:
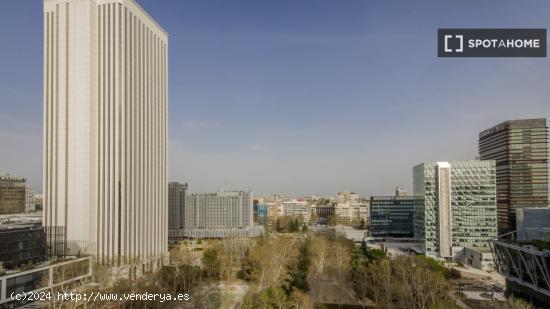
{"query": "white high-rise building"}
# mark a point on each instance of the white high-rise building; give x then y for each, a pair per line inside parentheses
(455, 206)
(105, 129)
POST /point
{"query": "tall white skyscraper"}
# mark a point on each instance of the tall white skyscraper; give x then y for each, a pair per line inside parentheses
(105, 129)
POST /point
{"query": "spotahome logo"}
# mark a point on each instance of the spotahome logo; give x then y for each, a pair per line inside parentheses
(491, 42)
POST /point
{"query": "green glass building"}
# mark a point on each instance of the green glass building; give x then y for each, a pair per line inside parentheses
(455, 206)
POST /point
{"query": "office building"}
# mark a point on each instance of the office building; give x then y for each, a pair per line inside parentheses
(176, 205)
(520, 149)
(38, 199)
(530, 221)
(260, 211)
(400, 191)
(42, 278)
(350, 209)
(273, 211)
(30, 202)
(22, 244)
(347, 197)
(456, 206)
(392, 216)
(218, 215)
(297, 209)
(533, 218)
(105, 130)
(223, 209)
(323, 212)
(12, 194)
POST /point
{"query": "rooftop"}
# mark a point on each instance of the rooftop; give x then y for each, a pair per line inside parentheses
(18, 226)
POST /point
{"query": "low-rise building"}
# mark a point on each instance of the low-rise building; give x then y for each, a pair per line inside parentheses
(480, 257)
(43, 277)
(532, 220)
(323, 211)
(297, 209)
(356, 213)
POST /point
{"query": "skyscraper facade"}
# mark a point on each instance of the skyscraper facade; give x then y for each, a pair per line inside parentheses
(105, 129)
(455, 206)
(520, 149)
(176, 205)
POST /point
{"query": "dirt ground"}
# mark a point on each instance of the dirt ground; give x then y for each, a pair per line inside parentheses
(333, 292)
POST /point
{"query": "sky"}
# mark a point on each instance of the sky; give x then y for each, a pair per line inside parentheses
(301, 97)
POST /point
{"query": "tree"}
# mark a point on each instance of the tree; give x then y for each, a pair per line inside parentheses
(331, 220)
(341, 258)
(232, 251)
(516, 303)
(277, 298)
(278, 225)
(182, 255)
(267, 262)
(188, 277)
(211, 262)
(299, 270)
(403, 282)
(247, 267)
(320, 251)
(363, 224)
(292, 226)
(313, 220)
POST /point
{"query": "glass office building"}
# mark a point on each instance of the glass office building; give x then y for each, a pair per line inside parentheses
(392, 216)
(22, 244)
(520, 149)
(456, 206)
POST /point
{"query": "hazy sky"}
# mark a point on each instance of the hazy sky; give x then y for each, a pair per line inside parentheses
(301, 97)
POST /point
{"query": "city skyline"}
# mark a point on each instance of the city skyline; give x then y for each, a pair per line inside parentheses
(249, 108)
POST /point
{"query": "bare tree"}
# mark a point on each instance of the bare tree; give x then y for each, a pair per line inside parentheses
(320, 253)
(341, 258)
(269, 259)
